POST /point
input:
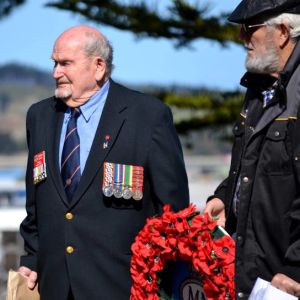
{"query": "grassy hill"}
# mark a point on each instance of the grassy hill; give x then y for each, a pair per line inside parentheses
(202, 117)
(20, 86)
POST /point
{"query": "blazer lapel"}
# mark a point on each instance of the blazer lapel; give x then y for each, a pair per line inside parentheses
(53, 139)
(111, 122)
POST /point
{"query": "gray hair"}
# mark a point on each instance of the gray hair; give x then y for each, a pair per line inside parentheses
(100, 46)
(293, 20)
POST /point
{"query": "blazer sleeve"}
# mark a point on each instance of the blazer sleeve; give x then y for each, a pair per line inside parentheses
(168, 176)
(28, 227)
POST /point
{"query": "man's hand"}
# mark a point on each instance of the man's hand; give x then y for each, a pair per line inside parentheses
(216, 208)
(31, 276)
(286, 284)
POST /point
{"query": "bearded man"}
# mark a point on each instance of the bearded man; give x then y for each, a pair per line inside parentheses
(259, 201)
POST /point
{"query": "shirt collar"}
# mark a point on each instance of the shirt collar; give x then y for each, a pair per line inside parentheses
(88, 108)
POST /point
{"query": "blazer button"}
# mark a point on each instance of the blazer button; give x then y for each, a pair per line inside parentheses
(245, 179)
(239, 239)
(240, 295)
(70, 249)
(69, 216)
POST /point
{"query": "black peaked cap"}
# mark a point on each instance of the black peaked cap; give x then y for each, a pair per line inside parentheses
(264, 9)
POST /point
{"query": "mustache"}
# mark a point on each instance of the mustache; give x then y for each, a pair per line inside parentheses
(62, 82)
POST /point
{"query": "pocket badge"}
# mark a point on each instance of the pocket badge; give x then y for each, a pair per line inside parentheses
(39, 167)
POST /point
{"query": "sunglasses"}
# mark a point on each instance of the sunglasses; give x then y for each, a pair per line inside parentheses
(249, 29)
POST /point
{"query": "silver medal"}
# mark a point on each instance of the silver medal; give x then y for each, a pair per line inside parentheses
(118, 193)
(108, 191)
(127, 194)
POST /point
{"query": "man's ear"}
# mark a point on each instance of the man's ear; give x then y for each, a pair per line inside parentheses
(100, 68)
(284, 35)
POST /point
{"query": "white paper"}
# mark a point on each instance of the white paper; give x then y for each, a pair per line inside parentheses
(263, 290)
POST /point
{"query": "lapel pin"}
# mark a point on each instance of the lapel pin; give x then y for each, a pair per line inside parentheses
(106, 142)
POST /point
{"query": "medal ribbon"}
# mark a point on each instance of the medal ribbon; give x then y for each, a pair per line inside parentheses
(108, 174)
(128, 176)
(138, 178)
(118, 178)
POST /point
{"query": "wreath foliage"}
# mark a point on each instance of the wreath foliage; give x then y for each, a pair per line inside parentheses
(185, 235)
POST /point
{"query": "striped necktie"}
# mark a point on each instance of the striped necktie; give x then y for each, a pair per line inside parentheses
(70, 159)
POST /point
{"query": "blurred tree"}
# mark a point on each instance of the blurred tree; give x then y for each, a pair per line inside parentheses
(176, 20)
(202, 108)
(6, 6)
(180, 20)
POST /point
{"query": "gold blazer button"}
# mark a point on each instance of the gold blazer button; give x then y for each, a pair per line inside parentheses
(69, 216)
(70, 249)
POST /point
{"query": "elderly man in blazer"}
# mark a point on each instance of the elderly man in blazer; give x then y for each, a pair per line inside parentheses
(102, 159)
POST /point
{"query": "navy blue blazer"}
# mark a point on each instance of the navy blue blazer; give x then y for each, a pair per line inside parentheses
(99, 229)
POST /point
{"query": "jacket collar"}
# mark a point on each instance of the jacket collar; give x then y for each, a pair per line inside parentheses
(259, 82)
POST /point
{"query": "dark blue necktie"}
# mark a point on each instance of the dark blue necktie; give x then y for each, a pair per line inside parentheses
(70, 159)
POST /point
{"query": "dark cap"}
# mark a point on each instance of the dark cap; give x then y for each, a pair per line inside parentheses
(263, 9)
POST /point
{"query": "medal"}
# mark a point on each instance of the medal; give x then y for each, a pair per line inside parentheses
(137, 195)
(118, 181)
(118, 192)
(39, 167)
(123, 181)
(127, 194)
(108, 174)
(108, 191)
(137, 183)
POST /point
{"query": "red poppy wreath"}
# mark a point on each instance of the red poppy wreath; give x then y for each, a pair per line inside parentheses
(183, 236)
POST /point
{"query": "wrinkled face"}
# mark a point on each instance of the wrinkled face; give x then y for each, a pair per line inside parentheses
(262, 49)
(76, 75)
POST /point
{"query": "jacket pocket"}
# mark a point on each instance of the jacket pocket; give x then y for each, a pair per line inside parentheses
(275, 157)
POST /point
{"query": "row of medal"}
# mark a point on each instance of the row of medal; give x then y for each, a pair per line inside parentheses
(123, 181)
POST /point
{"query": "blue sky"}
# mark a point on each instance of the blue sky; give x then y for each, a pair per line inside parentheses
(29, 32)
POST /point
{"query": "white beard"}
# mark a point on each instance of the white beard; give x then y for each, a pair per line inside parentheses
(63, 94)
(264, 63)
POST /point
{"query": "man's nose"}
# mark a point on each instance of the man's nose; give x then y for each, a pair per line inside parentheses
(57, 73)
